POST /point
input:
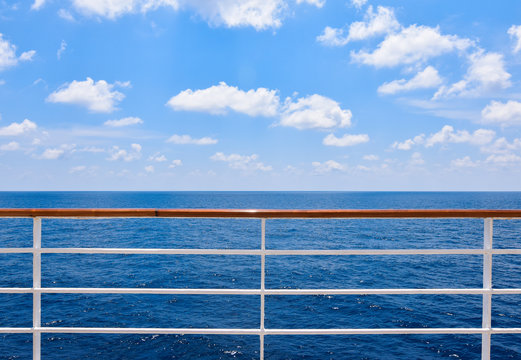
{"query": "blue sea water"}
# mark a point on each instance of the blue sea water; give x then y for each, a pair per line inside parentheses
(242, 311)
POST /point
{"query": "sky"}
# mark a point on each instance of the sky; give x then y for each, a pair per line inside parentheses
(348, 95)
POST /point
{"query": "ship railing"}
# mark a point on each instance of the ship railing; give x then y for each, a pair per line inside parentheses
(487, 251)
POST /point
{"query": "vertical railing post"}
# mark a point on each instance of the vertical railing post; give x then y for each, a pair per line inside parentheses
(263, 275)
(487, 286)
(37, 284)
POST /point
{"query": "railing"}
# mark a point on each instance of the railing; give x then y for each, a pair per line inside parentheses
(487, 251)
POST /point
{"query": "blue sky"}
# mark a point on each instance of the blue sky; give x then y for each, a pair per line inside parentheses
(260, 95)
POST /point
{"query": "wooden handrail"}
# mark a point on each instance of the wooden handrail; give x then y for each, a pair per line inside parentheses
(265, 213)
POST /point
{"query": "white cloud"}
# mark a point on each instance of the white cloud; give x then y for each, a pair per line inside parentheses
(332, 37)
(37, 4)
(504, 114)
(315, 112)
(317, 3)
(413, 44)
(62, 48)
(157, 157)
(66, 15)
(503, 159)
(416, 159)
(346, 140)
(464, 162)
(259, 14)
(149, 169)
(175, 163)
(123, 122)
(376, 23)
(15, 129)
(448, 135)
(485, 73)
(8, 56)
(220, 99)
(409, 143)
(502, 146)
(241, 162)
(428, 78)
(358, 3)
(12, 146)
(52, 154)
(113, 9)
(187, 139)
(327, 166)
(121, 154)
(76, 169)
(515, 33)
(371, 157)
(95, 96)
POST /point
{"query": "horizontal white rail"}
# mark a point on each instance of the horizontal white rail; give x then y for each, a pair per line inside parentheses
(187, 291)
(231, 331)
(253, 252)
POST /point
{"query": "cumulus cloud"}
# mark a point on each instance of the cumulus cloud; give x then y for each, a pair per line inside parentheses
(464, 162)
(123, 122)
(220, 99)
(502, 146)
(187, 139)
(485, 73)
(77, 169)
(428, 78)
(66, 15)
(37, 4)
(157, 157)
(504, 114)
(62, 48)
(317, 3)
(16, 129)
(371, 157)
(175, 163)
(315, 112)
(241, 162)
(503, 159)
(376, 23)
(259, 14)
(8, 56)
(12, 146)
(327, 166)
(52, 154)
(409, 143)
(515, 33)
(448, 135)
(414, 44)
(127, 155)
(310, 112)
(358, 3)
(416, 159)
(113, 9)
(97, 96)
(149, 169)
(346, 140)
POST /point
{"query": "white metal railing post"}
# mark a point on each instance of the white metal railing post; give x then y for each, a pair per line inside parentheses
(263, 288)
(487, 287)
(37, 284)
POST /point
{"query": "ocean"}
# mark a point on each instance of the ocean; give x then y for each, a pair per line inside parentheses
(243, 272)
